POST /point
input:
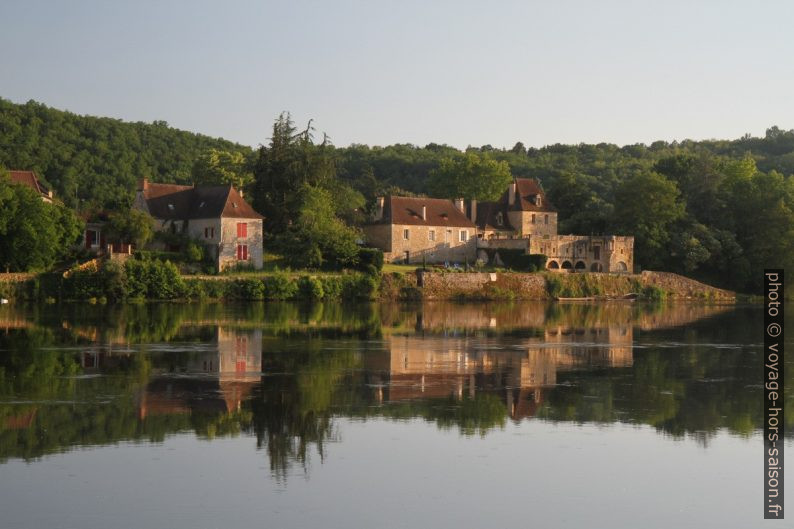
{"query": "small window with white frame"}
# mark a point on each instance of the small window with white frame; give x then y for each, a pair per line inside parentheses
(464, 235)
(406, 234)
(431, 235)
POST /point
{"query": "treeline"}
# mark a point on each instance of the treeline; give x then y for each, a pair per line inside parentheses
(719, 211)
(96, 162)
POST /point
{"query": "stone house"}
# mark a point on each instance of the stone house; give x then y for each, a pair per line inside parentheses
(215, 216)
(522, 219)
(417, 230)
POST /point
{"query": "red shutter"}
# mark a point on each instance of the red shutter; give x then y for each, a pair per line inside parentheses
(242, 229)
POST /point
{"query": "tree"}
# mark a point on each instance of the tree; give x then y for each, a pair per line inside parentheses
(34, 235)
(472, 176)
(289, 162)
(131, 226)
(318, 238)
(223, 167)
(646, 205)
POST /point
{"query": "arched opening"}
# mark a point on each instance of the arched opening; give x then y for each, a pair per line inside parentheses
(566, 265)
(622, 267)
(580, 266)
(553, 265)
(596, 267)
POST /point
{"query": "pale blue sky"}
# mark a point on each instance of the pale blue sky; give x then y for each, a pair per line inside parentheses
(463, 73)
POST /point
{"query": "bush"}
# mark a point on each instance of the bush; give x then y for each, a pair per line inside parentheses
(280, 286)
(310, 288)
(249, 289)
(153, 279)
(194, 253)
(332, 287)
(369, 259)
(518, 260)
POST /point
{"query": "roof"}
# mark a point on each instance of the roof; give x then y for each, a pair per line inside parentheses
(171, 201)
(408, 211)
(487, 216)
(29, 179)
(527, 189)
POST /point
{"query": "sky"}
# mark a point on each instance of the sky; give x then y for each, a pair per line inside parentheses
(378, 72)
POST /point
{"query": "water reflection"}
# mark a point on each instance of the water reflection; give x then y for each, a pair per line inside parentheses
(84, 375)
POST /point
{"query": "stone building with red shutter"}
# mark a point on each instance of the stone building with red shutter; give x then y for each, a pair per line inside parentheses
(215, 216)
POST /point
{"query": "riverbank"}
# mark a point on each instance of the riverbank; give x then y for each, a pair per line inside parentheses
(440, 285)
(154, 280)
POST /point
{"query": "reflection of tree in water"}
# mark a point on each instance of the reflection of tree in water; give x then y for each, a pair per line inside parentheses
(293, 407)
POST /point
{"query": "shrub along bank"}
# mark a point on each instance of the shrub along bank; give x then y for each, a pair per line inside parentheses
(161, 280)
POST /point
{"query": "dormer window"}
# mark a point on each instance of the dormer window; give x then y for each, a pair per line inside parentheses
(538, 201)
(171, 207)
(202, 204)
(234, 204)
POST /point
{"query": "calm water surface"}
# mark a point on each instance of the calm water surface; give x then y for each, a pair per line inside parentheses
(436, 415)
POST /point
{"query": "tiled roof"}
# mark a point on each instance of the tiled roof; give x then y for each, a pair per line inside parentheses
(527, 189)
(29, 179)
(439, 212)
(487, 216)
(170, 201)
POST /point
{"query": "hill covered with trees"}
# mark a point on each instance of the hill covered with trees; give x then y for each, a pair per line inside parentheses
(716, 210)
(95, 162)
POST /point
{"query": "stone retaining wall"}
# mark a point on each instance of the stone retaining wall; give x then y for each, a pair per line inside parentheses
(435, 285)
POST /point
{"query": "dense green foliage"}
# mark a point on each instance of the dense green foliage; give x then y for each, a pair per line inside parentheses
(92, 161)
(471, 176)
(215, 167)
(131, 226)
(305, 206)
(34, 235)
(153, 279)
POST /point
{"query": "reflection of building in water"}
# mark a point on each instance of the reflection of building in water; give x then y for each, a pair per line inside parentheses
(213, 378)
(234, 368)
(434, 367)
(238, 357)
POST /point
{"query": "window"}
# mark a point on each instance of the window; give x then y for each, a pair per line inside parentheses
(242, 229)
(546, 220)
(464, 235)
(500, 219)
(539, 201)
(597, 253)
(242, 252)
(431, 235)
(209, 233)
(533, 218)
(406, 234)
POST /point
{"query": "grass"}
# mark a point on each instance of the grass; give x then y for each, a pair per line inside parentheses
(391, 268)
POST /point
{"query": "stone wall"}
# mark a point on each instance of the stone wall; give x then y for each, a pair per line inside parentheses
(429, 244)
(435, 285)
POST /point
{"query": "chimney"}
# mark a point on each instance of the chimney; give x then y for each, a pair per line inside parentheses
(143, 184)
(379, 209)
(473, 210)
(511, 193)
(424, 212)
(459, 204)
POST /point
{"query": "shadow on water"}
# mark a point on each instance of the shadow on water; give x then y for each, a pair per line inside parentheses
(82, 375)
